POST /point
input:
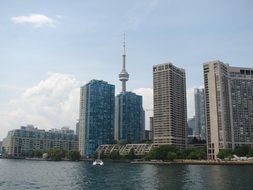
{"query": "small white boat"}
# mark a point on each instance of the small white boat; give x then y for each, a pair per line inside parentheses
(98, 162)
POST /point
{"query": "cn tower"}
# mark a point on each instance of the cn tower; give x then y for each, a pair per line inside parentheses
(124, 76)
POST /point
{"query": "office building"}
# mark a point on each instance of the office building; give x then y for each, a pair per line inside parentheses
(229, 106)
(200, 127)
(96, 119)
(21, 142)
(170, 113)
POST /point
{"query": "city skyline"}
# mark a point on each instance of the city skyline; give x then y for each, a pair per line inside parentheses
(48, 51)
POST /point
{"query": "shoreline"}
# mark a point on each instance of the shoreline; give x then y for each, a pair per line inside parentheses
(193, 162)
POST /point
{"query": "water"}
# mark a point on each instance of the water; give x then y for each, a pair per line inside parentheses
(24, 174)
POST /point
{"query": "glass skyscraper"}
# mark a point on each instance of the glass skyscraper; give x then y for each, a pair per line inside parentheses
(129, 118)
(96, 120)
(200, 125)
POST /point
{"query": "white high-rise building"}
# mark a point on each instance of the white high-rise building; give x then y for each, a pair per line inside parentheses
(228, 106)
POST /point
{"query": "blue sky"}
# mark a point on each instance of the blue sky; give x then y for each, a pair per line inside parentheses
(72, 42)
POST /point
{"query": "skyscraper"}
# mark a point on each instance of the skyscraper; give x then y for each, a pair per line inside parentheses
(129, 118)
(229, 106)
(96, 119)
(129, 114)
(170, 113)
(200, 127)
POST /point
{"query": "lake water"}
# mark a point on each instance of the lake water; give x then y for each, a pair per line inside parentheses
(24, 174)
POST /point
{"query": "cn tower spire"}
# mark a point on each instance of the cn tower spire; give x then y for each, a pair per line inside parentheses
(124, 76)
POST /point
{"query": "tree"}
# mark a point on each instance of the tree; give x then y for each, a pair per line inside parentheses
(74, 155)
(56, 154)
(114, 155)
(171, 156)
(224, 153)
(131, 154)
(196, 154)
(241, 150)
(161, 152)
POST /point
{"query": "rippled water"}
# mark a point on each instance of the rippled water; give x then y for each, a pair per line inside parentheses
(24, 174)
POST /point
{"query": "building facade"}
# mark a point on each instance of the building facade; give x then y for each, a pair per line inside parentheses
(170, 112)
(96, 119)
(21, 142)
(200, 127)
(129, 118)
(229, 106)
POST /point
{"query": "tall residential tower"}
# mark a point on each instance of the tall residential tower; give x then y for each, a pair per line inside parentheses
(200, 127)
(229, 106)
(96, 119)
(170, 113)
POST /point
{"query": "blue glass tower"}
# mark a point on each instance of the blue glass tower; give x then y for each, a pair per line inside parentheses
(96, 121)
(129, 118)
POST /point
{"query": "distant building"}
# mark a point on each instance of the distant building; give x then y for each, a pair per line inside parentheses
(129, 114)
(65, 130)
(170, 112)
(1, 146)
(228, 106)
(151, 126)
(77, 129)
(21, 142)
(96, 119)
(191, 125)
(148, 135)
(200, 127)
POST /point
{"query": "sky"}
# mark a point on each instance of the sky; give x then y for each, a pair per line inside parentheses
(48, 49)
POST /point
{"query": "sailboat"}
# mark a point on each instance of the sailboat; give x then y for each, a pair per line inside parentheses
(98, 161)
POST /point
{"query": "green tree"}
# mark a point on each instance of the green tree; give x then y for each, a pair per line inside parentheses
(56, 154)
(161, 152)
(224, 153)
(241, 150)
(114, 155)
(171, 156)
(74, 155)
(131, 154)
(196, 154)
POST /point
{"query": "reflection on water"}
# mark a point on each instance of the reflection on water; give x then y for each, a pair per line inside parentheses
(22, 174)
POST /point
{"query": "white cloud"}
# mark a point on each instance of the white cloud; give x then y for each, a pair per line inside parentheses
(37, 20)
(52, 103)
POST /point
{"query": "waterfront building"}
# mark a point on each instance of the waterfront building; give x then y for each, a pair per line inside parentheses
(200, 127)
(124, 149)
(129, 118)
(96, 119)
(21, 142)
(129, 113)
(170, 112)
(228, 106)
